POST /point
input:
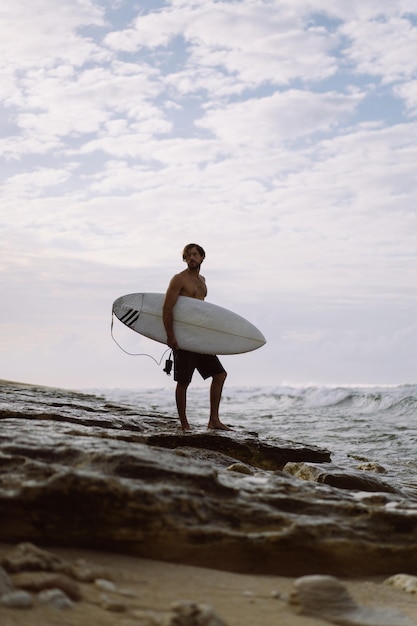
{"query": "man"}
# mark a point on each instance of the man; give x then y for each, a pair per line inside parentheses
(190, 283)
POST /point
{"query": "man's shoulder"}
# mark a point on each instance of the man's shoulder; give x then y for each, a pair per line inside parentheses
(177, 281)
(180, 277)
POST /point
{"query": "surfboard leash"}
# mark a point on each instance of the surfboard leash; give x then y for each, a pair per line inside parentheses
(168, 363)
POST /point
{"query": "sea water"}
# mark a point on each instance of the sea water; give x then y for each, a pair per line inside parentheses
(375, 424)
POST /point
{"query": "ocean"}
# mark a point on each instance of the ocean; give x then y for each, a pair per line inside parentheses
(374, 424)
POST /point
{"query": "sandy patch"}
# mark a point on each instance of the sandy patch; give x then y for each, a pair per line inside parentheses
(147, 588)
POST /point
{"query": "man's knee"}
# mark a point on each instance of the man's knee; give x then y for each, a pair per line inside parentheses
(221, 377)
(182, 386)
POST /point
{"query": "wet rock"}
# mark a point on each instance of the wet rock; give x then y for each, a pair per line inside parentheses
(193, 614)
(55, 598)
(247, 449)
(340, 478)
(404, 582)
(240, 468)
(372, 467)
(327, 598)
(39, 581)
(17, 600)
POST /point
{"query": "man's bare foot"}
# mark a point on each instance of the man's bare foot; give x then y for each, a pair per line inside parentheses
(218, 425)
(185, 426)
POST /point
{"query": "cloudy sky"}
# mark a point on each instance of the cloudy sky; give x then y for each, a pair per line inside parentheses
(281, 135)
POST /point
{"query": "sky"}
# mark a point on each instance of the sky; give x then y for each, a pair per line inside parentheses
(281, 135)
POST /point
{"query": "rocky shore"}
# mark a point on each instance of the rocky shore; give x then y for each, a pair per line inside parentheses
(79, 473)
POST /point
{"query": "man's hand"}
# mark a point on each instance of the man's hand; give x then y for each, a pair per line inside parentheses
(172, 342)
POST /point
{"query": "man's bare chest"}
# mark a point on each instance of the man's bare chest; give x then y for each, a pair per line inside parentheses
(195, 287)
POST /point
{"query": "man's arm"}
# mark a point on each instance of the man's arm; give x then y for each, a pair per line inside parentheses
(171, 296)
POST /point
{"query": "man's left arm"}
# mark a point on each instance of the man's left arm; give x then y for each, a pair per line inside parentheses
(171, 297)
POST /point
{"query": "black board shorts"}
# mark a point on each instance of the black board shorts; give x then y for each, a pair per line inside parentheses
(186, 362)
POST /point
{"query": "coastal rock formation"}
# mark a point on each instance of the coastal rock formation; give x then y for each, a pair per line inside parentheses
(75, 471)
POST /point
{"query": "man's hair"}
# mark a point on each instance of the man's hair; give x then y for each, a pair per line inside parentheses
(193, 245)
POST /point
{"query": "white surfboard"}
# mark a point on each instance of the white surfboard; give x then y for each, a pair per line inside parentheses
(199, 326)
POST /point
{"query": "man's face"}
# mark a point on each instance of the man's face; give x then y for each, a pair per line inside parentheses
(193, 258)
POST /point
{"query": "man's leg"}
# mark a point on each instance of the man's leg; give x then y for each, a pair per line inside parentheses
(181, 399)
(215, 397)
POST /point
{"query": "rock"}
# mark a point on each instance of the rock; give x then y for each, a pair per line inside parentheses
(105, 585)
(193, 614)
(28, 557)
(180, 510)
(38, 581)
(129, 482)
(240, 468)
(6, 585)
(327, 598)
(17, 600)
(340, 478)
(55, 598)
(404, 582)
(372, 467)
(245, 448)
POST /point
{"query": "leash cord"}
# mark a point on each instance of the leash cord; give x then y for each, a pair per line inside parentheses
(136, 353)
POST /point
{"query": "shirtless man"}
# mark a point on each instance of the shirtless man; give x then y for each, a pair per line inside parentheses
(191, 284)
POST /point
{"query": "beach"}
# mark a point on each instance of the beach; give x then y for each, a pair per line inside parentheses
(239, 600)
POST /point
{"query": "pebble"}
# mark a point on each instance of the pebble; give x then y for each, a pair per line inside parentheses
(193, 614)
(327, 598)
(56, 599)
(105, 585)
(17, 600)
(240, 468)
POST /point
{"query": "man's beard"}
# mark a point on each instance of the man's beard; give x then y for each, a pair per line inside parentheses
(194, 265)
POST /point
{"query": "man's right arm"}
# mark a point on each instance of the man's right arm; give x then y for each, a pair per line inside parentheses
(171, 296)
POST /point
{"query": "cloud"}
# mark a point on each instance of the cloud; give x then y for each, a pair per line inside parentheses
(386, 48)
(33, 34)
(279, 135)
(280, 117)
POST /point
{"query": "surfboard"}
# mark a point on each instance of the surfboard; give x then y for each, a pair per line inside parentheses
(199, 326)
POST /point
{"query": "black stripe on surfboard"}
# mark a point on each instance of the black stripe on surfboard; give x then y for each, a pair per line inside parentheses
(130, 317)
